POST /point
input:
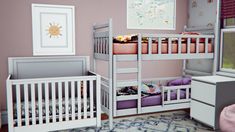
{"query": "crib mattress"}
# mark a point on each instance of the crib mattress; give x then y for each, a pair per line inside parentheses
(132, 48)
(50, 107)
(148, 100)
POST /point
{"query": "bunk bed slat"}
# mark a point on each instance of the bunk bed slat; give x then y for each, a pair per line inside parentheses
(206, 45)
(197, 45)
(126, 83)
(169, 45)
(150, 45)
(180, 45)
(127, 70)
(188, 45)
(159, 45)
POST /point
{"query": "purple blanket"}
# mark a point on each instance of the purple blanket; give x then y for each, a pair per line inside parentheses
(148, 101)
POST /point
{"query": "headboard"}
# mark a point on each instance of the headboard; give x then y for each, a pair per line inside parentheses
(39, 67)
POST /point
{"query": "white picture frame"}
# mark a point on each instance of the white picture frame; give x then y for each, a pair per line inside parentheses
(53, 29)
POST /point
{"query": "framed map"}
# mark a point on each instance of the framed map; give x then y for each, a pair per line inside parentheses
(151, 14)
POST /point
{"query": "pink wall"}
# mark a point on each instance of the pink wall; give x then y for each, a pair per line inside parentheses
(16, 31)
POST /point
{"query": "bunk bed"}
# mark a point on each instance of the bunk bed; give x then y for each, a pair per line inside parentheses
(147, 47)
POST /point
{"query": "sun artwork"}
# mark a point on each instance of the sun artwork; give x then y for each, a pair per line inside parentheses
(54, 30)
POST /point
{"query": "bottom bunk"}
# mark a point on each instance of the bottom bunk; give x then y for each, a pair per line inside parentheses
(156, 95)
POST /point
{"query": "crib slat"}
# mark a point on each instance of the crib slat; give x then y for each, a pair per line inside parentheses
(33, 103)
(18, 102)
(85, 99)
(91, 99)
(47, 102)
(60, 101)
(40, 103)
(53, 102)
(73, 100)
(26, 101)
(66, 101)
(79, 99)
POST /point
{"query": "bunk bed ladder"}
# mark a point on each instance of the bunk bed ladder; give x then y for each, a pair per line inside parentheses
(136, 82)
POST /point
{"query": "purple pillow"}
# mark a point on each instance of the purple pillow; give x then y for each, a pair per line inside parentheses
(180, 81)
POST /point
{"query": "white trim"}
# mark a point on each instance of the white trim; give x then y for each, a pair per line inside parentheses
(38, 48)
(221, 69)
(144, 28)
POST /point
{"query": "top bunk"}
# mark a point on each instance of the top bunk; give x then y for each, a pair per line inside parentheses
(188, 45)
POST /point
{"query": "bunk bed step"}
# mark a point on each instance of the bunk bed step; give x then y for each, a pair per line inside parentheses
(127, 70)
(127, 97)
(127, 83)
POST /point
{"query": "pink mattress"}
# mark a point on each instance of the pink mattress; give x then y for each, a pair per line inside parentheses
(131, 48)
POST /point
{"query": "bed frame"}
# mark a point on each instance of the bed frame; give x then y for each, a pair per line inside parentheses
(54, 93)
(103, 50)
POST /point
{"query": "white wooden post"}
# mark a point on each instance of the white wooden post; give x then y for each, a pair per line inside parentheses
(98, 103)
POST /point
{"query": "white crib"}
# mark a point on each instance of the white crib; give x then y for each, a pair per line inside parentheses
(52, 93)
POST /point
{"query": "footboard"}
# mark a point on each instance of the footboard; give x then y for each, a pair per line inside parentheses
(49, 104)
(103, 41)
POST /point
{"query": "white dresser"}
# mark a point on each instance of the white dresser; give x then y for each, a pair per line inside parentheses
(210, 94)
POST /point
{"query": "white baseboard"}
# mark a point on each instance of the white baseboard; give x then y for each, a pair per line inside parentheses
(4, 117)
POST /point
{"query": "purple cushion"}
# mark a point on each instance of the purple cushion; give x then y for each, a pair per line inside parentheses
(180, 81)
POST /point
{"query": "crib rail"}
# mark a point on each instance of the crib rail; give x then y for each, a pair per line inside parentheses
(52, 100)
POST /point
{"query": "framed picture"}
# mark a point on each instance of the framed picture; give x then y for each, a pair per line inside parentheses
(53, 29)
(151, 14)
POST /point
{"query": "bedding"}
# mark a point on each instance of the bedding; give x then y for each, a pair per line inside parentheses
(180, 81)
(148, 100)
(132, 48)
(50, 108)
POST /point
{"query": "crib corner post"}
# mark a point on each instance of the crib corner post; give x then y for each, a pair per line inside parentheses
(98, 102)
(9, 105)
